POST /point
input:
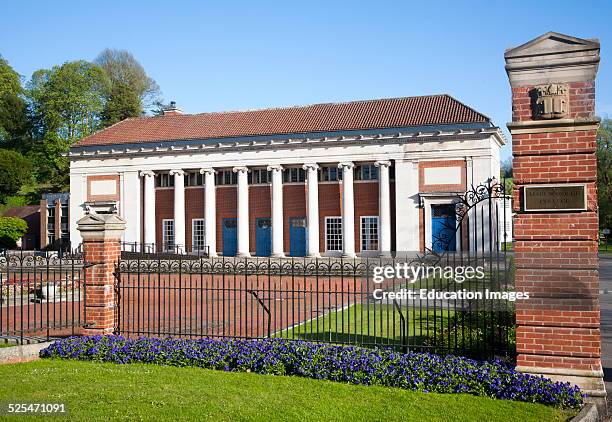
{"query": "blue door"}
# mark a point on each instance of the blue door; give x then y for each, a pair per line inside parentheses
(297, 236)
(443, 223)
(230, 237)
(263, 237)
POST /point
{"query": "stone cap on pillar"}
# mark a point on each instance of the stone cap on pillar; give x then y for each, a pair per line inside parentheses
(99, 227)
(553, 58)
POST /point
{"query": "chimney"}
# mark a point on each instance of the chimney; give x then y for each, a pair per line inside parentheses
(172, 109)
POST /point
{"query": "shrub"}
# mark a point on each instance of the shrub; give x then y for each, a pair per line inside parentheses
(11, 230)
(354, 365)
(15, 171)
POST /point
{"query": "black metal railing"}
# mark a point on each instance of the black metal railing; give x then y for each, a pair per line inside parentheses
(41, 295)
(134, 250)
(323, 300)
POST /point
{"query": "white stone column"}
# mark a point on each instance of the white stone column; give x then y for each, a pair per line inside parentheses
(210, 211)
(149, 211)
(348, 210)
(384, 207)
(277, 211)
(312, 208)
(179, 209)
(243, 211)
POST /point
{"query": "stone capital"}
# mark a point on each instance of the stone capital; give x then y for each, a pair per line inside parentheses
(553, 58)
(347, 165)
(177, 172)
(101, 227)
(240, 169)
(147, 173)
(275, 167)
(310, 166)
(208, 170)
(383, 163)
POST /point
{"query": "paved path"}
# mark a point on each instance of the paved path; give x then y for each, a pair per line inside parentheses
(605, 285)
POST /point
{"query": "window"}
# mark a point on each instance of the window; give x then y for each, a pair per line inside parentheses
(227, 177)
(197, 235)
(65, 233)
(366, 172)
(333, 233)
(194, 178)
(168, 235)
(294, 175)
(369, 233)
(164, 180)
(50, 224)
(330, 174)
(259, 177)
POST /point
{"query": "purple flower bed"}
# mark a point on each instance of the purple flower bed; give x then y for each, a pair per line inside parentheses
(413, 371)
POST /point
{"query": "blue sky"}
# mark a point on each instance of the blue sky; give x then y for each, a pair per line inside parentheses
(212, 56)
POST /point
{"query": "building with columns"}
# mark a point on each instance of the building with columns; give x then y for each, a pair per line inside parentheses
(339, 179)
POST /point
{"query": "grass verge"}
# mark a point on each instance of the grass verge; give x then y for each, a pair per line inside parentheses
(96, 391)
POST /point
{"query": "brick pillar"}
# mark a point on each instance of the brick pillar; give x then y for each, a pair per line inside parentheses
(43, 223)
(101, 235)
(553, 135)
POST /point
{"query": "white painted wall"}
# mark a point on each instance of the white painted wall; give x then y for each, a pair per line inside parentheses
(130, 208)
(78, 195)
(407, 205)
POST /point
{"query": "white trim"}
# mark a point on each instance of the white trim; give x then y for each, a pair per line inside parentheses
(193, 220)
(163, 239)
(361, 232)
(341, 234)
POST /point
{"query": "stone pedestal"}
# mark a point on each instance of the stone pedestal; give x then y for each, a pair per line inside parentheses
(101, 235)
(553, 133)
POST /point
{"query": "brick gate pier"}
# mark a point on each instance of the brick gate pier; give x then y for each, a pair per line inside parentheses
(555, 199)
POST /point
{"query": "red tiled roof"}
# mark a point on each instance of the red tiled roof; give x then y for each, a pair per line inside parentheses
(371, 114)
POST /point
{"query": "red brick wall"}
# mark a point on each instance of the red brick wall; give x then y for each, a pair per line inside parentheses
(164, 209)
(259, 207)
(227, 203)
(194, 208)
(366, 204)
(330, 205)
(294, 205)
(556, 253)
(459, 186)
(581, 101)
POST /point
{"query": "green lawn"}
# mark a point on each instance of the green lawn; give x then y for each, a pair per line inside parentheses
(369, 324)
(94, 391)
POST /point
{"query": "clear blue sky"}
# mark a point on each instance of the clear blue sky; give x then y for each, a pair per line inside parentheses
(244, 55)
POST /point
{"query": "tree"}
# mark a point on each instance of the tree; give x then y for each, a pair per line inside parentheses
(66, 104)
(132, 90)
(11, 230)
(15, 171)
(604, 173)
(13, 110)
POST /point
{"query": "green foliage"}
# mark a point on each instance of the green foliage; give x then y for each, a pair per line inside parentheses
(131, 90)
(15, 171)
(67, 102)
(13, 112)
(11, 230)
(604, 173)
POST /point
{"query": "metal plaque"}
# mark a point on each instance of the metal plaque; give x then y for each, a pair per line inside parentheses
(555, 198)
